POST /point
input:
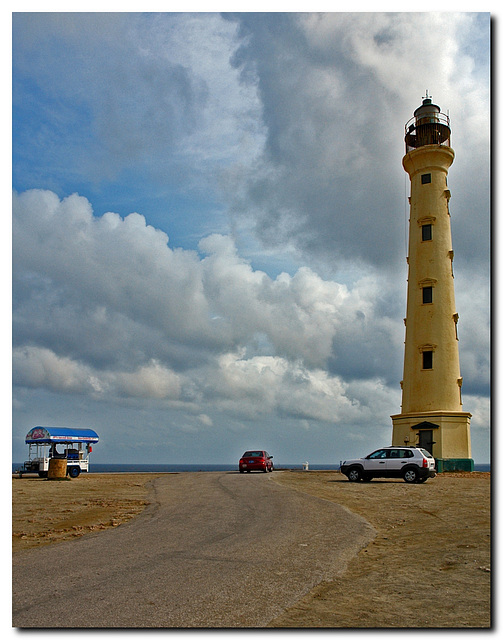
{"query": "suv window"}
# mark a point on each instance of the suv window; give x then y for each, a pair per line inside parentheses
(426, 453)
(400, 453)
(378, 454)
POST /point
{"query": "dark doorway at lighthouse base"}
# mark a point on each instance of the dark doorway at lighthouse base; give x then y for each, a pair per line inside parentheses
(426, 439)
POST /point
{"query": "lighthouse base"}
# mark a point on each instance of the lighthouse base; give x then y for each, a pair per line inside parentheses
(445, 434)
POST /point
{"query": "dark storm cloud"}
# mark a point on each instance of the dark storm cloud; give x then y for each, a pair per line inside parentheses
(334, 106)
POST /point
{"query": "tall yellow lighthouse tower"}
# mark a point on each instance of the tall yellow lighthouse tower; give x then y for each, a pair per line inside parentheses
(432, 412)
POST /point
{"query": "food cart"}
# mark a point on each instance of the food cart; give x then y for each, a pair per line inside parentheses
(46, 443)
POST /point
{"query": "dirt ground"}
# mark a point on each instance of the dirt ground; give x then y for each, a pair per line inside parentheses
(48, 511)
(429, 565)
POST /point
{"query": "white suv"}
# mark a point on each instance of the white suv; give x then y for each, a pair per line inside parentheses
(413, 464)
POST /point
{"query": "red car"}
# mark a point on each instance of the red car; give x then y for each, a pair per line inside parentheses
(255, 461)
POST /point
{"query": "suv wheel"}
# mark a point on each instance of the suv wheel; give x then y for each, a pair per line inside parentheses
(410, 475)
(354, 475)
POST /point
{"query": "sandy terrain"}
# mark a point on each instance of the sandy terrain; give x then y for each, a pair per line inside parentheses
(48, 511)
(429, 565)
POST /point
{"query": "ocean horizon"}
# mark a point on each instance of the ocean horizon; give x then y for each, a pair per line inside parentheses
(187, 468)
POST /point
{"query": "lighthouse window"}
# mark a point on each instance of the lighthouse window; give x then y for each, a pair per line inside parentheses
(426, 232)
(427, 295)
(427, 359)
(426, 178)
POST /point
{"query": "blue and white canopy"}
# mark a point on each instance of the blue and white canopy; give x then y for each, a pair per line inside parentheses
(50, 435)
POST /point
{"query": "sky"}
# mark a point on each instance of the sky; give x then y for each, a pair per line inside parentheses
(210, 227)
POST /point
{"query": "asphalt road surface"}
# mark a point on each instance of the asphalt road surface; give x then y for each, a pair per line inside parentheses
(212, 550)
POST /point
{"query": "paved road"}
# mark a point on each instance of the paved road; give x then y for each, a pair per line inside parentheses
(212, 550)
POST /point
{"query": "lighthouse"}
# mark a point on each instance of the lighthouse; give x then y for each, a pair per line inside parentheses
(432, 413)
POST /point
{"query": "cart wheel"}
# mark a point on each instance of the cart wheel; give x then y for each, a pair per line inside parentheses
(74, 472)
